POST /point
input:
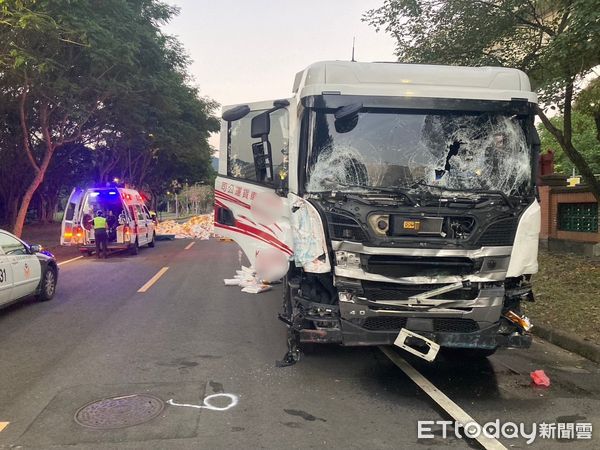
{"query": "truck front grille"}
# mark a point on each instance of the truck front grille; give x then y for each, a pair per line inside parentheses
(501, 233)
(376, 291)
(384, 323)
(344, 228)
(412, 266)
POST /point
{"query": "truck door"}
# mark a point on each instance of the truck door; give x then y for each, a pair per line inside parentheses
(71, 217)
(250, 201)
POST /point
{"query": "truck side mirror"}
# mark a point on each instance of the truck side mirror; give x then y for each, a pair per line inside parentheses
(236, 113)
(261, 125)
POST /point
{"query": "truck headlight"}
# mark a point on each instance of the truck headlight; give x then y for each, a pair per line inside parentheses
(347, 260)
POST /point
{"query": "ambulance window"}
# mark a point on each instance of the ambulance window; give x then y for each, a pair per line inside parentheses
(132, 213)
(240, 162)
(70, 212)
(146, 212)
(140, 213)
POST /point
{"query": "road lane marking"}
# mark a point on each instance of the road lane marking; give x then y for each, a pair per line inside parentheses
(153, 280)
(455, 411)
(187, 247)
(3, 425)
(69, 260)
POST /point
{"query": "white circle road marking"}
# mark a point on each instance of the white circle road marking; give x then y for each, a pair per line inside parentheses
(208, 405)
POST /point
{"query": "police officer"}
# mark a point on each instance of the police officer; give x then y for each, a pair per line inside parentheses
(100, 234)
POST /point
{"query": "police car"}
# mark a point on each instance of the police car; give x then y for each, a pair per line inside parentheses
(25, 270)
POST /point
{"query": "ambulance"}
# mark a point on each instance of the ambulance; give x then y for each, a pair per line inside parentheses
(129, 220)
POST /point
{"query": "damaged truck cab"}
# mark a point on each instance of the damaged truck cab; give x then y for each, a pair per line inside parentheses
(389, 197)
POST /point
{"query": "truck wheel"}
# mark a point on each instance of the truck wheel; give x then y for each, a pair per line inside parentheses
(47, 285)
(151, 243)
(135, 248)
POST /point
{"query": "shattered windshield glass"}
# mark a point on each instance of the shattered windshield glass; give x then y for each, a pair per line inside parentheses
(384, 148)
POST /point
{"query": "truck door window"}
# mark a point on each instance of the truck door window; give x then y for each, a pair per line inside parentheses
(240, 161)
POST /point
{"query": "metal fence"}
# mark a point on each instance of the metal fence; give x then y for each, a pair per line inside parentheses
(581, 217)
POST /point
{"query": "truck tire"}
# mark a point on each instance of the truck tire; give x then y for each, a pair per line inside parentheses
(135, 248)
(151, 244)
(47, 285)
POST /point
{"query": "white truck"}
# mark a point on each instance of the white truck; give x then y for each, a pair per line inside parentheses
(130, 223)
(389, 197)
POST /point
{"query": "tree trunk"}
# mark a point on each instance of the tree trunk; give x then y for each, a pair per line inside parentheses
(35, 183)
(40, 170)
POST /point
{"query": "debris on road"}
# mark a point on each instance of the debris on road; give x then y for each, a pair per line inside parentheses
(248, 280)
(198, 227)
(522, 321)
(540, 378)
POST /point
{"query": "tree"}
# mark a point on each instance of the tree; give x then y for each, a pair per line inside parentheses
(584, 139)
(15, 172)
(66, 64)
(557, 43)
(588, 102)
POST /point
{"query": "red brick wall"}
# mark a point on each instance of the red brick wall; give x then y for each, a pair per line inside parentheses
(550, 197)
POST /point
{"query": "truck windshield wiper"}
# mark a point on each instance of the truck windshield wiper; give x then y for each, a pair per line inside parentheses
(388, 189)
(475, 191)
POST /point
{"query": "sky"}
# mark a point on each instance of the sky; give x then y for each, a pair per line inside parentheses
(250, 50)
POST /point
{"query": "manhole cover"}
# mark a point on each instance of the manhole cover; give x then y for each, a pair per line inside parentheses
(119, 412)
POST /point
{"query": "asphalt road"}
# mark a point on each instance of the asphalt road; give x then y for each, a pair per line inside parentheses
(188, 337)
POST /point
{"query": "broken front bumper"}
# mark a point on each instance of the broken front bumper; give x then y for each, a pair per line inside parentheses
(490, 338)
(354, 324)
(352, 334)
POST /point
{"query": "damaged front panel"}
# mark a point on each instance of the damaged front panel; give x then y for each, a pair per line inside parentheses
(421, 212)
(310, 247)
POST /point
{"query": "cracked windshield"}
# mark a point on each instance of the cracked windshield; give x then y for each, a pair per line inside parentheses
(398, 149)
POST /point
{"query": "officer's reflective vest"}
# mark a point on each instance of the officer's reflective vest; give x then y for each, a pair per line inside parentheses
(99, 222)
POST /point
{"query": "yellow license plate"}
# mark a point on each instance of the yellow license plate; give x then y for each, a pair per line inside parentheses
(412, 224)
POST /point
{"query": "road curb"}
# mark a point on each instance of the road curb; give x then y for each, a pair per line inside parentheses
(568, 341)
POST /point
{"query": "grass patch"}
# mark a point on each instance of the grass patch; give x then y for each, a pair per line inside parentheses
(567, 294)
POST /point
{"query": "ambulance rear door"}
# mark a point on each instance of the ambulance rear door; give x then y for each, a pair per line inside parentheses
(71, 217)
